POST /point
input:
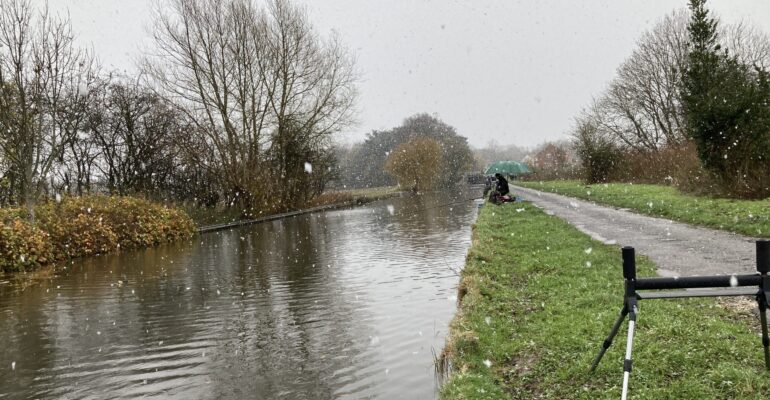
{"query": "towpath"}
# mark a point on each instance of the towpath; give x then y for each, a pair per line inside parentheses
(677, 248)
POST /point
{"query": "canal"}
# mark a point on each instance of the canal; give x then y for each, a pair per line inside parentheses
(345, 304)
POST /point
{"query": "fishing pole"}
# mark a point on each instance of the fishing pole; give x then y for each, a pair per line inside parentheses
(449, 204)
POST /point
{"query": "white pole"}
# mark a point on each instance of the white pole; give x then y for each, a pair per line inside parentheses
(629, 346)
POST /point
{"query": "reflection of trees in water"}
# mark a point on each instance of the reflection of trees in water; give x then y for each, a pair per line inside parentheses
(25, 341)
(295, 329)
(302, 320)
(104, 312)
(429, 215)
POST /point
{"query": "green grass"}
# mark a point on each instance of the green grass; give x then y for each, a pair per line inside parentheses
(748, 217)
(538, 311)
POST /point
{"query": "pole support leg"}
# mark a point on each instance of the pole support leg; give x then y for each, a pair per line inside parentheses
(608, 341)
(627, 363)
(763, 319)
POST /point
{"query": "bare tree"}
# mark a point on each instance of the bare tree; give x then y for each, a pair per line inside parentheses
(750, 44)
(135, 133)
(43, 77)
(251, 79)
(641, 106)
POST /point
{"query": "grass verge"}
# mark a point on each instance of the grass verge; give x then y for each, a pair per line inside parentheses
(748, 217)
(538, 298)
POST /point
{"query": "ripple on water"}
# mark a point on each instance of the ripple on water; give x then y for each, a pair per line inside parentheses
(343, 304)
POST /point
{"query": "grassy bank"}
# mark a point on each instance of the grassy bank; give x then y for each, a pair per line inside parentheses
(537, 299)
(748, 217)
(82, 226)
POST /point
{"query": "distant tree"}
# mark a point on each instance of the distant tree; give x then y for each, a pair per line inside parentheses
(550, 158)
(727, 107)
(456, 155)
(494, 151)
(367, 161)
(416, 164)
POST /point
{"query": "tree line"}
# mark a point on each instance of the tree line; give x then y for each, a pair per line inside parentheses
(688, 107)
(237, 104)
(386, 158)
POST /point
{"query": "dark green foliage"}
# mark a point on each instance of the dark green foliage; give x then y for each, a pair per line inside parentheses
(300, 160)
(727, 110)
(366, 162)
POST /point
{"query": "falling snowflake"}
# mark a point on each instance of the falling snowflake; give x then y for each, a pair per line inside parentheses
(308, 168)
(488, 363)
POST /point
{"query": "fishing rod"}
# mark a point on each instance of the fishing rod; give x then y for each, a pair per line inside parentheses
(449, 204)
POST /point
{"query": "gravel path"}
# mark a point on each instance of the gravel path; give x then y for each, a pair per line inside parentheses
(677, 248)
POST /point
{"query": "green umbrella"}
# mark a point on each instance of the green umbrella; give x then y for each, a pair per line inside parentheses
(507, 168)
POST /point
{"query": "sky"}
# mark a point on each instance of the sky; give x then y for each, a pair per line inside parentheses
(512, 71)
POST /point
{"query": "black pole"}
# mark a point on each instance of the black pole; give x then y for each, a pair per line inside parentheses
(765, 339)
(629, 263)
(629, 274)
(687, 282)
(763, 267)
(763, 256)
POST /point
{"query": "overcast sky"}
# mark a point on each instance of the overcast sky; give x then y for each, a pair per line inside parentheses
(513, 71)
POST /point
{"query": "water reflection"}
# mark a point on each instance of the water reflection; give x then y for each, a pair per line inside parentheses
(343, 304)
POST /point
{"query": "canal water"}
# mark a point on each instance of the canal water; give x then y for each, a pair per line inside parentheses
(345, 304)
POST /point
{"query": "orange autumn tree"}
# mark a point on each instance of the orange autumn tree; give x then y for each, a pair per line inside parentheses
(416, 163)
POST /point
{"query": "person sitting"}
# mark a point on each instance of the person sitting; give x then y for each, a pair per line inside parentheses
(502, 185)
(500, 194)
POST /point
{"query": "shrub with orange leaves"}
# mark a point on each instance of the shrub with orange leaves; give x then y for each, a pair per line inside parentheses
(82, 226)
(23, 246)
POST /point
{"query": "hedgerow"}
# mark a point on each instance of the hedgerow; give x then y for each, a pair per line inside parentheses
(88, 225)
